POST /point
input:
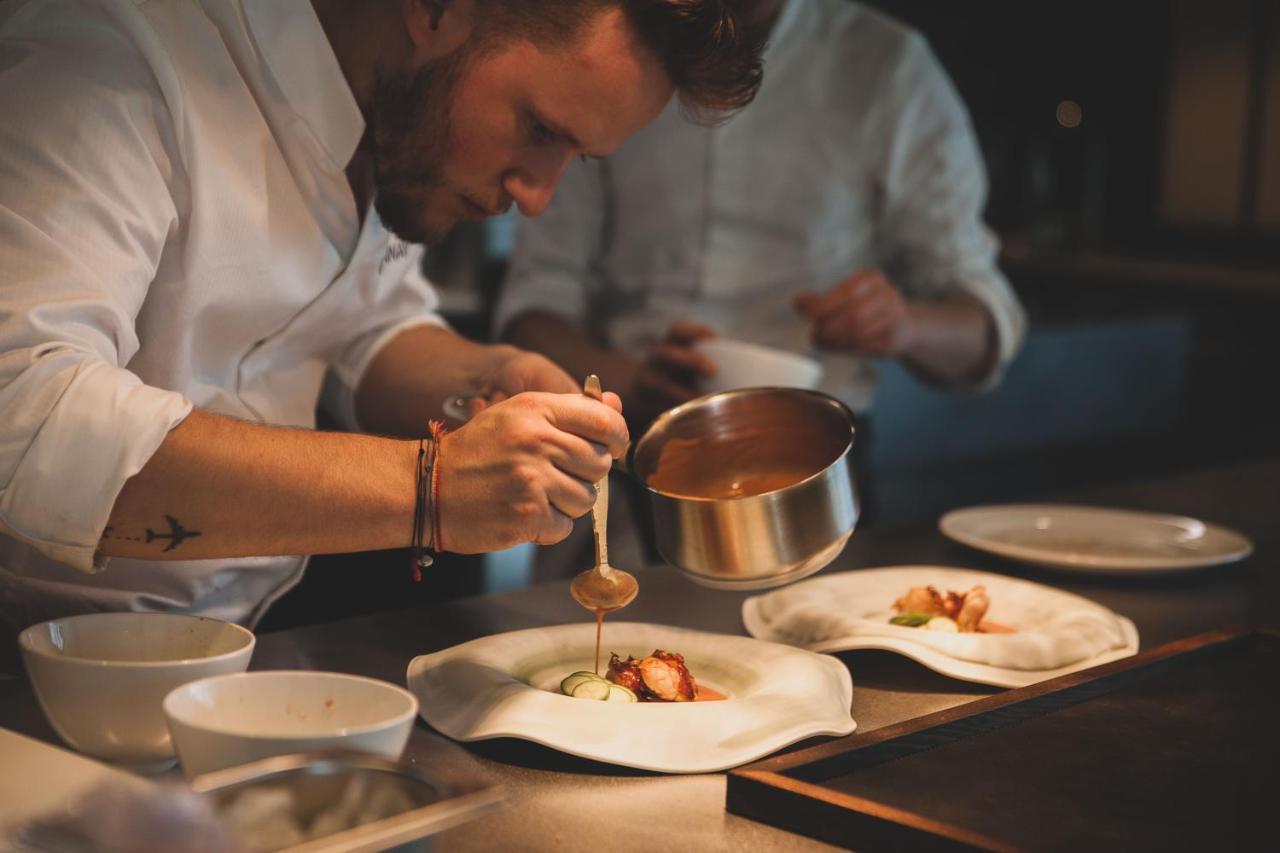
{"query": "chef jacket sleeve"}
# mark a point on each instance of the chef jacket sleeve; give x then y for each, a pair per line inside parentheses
(933, 187)
(86, 205)
(391, 306)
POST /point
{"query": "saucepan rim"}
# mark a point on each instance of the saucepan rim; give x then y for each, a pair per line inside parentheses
(676, 412)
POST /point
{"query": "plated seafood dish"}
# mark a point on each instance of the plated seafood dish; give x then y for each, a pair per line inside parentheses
(509, 685)
(659, 677)
(977, 626)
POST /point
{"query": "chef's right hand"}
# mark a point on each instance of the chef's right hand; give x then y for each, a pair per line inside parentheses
(522, 469)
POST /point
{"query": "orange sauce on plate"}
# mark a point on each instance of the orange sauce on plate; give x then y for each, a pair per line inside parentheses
(707, 694)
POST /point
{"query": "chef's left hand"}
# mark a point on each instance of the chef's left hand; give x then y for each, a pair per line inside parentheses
(520, 370)
(864, 313)
(515, 370)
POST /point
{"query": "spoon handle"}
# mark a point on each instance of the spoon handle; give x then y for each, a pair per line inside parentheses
(600, 509)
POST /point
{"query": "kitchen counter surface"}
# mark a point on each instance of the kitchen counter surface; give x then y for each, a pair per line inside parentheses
(558, 802)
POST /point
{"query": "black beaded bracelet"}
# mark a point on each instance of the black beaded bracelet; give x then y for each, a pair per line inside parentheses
(422, 509)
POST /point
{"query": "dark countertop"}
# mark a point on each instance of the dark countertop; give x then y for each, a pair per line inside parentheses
(559, 802)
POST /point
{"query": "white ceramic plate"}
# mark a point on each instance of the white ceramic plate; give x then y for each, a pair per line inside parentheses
(845, 611)
(1093, 539)
(506, 685)
(41, 780)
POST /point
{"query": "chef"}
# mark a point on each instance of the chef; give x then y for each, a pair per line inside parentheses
(211, 211)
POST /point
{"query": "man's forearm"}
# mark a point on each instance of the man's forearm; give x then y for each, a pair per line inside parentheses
(950, 341)
(218, 487)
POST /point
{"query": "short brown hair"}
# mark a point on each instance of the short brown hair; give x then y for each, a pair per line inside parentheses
(711, 58)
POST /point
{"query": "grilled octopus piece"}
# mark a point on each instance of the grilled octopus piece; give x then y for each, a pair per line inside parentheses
(927, 599)
(662, 677)
(627, 673)
(966, 609)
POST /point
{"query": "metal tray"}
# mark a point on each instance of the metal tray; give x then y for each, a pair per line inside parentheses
(1173, 749)
(309, 783)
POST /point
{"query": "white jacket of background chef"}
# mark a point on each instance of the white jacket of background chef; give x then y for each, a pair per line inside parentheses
(857, 152)
(176, 230)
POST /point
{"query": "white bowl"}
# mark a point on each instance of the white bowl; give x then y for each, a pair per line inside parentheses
(101, 677)
(746, 365)
(234, 719)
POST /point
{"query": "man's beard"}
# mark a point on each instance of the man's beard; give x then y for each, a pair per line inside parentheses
(409, 132)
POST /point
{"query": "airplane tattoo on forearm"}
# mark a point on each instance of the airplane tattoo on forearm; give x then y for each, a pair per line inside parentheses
(175, 536)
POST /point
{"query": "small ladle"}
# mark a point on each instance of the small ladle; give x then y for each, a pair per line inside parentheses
(602, 588)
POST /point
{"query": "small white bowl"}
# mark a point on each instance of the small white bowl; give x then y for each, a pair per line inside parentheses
(101, 677)
(746, 365)
(234, 719)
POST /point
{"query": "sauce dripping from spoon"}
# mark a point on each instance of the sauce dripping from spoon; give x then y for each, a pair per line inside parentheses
(599, 625)
(602, 588)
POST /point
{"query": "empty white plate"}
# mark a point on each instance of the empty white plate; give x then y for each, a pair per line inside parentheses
(1094, 539)
(507, 685)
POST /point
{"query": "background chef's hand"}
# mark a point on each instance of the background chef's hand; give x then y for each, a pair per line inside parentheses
(522, 469)
(669, 375)
(864, 313)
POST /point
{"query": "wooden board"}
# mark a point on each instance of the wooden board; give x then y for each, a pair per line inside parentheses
(1173, 749)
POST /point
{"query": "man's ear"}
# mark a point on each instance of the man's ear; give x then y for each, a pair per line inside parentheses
(437, 27)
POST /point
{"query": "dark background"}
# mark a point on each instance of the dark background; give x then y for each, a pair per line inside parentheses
(1144, 241)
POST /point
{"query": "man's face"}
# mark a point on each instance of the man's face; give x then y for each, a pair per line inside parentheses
(469, 135)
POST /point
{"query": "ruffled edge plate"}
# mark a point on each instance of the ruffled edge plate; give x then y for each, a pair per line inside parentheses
(505, 685)
(951, 578)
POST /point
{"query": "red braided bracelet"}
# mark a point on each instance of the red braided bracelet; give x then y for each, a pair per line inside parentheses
(437, 433)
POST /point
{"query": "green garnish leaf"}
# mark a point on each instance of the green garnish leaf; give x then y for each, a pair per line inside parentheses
(911, 620)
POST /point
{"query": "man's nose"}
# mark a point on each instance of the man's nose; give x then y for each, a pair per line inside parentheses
(531, 186)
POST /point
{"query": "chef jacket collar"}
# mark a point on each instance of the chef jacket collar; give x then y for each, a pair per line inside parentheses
(294, 45)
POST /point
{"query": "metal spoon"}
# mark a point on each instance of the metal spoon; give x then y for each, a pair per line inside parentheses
(602, 588)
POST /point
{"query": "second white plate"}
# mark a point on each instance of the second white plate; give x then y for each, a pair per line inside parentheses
(1094, 539)
(506, 685)
(1058, 632)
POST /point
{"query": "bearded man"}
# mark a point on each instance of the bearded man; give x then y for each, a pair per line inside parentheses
(210, 209)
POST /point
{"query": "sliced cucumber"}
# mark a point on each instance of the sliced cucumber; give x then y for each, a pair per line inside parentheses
(911, 620)
(592, 688)
(942, 623)
(572, 681)
(619, 693)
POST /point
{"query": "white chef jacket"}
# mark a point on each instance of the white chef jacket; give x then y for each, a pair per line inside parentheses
(857, 152)
(176, 230)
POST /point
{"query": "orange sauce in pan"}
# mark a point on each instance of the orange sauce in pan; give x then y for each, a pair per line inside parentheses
(706, 694)
(732, 468)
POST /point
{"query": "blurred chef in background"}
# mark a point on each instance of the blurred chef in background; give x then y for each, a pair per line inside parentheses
(839, 216)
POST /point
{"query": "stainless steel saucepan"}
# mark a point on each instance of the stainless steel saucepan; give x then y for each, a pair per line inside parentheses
(749, 489)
